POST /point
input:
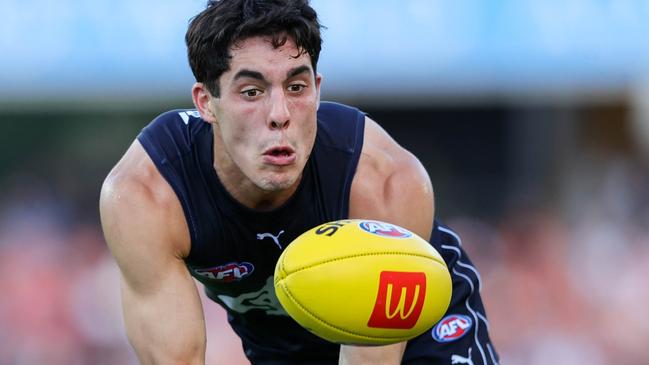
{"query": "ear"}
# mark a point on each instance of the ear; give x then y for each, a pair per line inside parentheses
(318, 81)
(201, 98)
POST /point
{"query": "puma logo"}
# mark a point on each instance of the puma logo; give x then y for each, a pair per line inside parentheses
(457, 359)
(261, 236)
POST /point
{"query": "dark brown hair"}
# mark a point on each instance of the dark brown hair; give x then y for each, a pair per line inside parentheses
(223, 23)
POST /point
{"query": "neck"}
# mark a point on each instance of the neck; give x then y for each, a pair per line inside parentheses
(253, 197)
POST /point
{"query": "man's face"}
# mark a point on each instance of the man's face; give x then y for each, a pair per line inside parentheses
(265, 119)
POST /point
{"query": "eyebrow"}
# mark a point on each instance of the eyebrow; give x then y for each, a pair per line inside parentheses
(258, 76)
(298, 70)
(251, 74)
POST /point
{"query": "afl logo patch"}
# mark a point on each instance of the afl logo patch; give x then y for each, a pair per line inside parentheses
(227, 273)
(452, 327)
(384, 229)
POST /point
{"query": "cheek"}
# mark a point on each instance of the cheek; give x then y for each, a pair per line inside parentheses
(304, 112)
(311, 136)
(243, 142)
(239, 130)
(306, 138)
(237, 143)
(308, 129)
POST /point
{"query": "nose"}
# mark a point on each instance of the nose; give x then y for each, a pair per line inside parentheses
(279, 117)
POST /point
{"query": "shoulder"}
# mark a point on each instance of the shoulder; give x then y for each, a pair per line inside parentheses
(138, 208)
(391, 184)
(174, 127)
(330, 109)
(177, 116)
(340, 126)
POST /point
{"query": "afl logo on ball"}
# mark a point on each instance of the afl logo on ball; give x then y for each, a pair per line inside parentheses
(452, 327)
(384, 229)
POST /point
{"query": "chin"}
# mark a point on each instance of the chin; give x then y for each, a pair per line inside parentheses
(278, 183)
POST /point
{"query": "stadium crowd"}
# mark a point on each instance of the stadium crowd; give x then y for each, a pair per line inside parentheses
(563, 283)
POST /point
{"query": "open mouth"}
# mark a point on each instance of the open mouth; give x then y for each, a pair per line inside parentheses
(280, 152)
(282, 155)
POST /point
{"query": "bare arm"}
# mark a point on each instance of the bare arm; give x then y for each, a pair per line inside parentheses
(147, 234)
(390, 185)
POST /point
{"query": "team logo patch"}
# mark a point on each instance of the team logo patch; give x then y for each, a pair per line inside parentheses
(384, 229)
(452, 327)
(399, 301)
(227, 273)
(189, 113)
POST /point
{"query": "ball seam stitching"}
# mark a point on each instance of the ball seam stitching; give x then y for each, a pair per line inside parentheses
(359, 255)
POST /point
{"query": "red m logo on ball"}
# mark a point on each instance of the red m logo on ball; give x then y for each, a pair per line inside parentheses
(399, 301)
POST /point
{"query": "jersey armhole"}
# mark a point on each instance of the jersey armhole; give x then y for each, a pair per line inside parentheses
(165, 169)
(353, 164)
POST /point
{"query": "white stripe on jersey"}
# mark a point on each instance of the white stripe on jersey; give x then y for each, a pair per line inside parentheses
(462, 264)
(474, 313)
(484, 319)
(491, 353)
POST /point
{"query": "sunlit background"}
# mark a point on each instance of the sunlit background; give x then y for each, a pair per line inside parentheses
(532, 118)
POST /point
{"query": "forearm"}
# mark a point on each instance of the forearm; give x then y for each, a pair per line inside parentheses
(374, 355)
(169, 331)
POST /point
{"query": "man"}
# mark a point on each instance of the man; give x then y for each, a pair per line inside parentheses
(217, 194)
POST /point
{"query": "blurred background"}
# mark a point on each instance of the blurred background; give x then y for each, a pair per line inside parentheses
(532, 118)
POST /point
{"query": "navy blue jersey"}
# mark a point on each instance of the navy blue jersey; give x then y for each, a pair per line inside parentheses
(234, 249)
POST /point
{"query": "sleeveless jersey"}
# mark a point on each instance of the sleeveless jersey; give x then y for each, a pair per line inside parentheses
(233, 248)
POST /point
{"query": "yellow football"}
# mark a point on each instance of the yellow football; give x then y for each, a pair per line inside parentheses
(363, 282)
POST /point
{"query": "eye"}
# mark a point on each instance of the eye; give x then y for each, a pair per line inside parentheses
(251, 93)
(296, 88)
